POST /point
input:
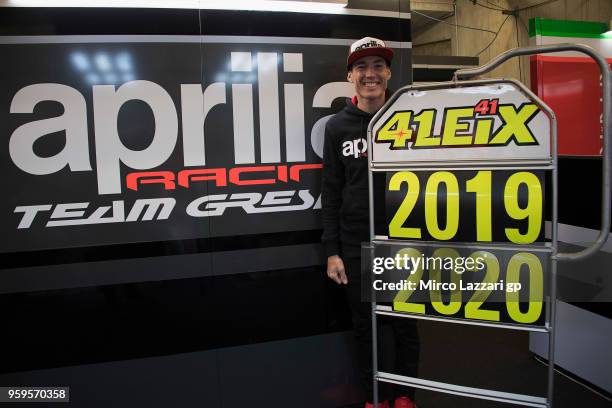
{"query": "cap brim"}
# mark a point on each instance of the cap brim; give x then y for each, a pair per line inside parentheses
(386, 53)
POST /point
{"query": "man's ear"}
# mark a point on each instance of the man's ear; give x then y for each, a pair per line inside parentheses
(389, 75)
(349, 76)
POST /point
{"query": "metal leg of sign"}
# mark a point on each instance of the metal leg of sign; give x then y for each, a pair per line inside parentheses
(552, 300)
(374, 353)
(372, 291)
(374, 336)
(551, 335)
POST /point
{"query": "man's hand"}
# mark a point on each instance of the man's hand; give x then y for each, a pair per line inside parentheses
(335, 270)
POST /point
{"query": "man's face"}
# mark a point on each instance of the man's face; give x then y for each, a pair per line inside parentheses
(370, 75)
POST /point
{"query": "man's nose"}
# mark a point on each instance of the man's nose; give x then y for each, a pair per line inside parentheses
(370, 72)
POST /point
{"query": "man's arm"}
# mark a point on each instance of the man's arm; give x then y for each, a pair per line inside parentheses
(332, 184)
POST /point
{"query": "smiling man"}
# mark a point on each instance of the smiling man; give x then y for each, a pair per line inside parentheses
(346, 216)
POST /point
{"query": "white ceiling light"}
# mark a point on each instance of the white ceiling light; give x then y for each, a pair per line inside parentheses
(103, 62)
(176, 4)
(124, 62)
(276, 5)
(80, 61)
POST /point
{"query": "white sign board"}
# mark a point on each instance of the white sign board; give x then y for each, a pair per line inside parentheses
(489, 122)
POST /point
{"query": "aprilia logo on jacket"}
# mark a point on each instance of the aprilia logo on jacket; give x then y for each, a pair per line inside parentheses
(355, 148)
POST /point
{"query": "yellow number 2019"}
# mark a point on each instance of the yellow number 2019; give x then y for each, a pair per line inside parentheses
(529, 208)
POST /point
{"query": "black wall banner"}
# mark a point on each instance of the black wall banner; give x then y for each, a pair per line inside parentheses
(185, 145)
(122, 142)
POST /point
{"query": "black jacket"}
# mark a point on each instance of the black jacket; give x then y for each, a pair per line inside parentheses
(344, 185)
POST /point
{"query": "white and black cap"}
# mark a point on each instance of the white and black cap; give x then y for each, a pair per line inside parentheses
(368, 46)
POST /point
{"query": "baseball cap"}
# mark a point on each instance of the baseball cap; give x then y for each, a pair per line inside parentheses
(368, 46)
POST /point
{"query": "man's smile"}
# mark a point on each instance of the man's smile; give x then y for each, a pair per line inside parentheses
(371, 84)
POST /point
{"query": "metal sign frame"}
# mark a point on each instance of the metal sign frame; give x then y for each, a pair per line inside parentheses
(493, 395)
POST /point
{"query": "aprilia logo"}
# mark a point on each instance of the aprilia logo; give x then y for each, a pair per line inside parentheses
(355, 148)
(368, 45)
(195, 105)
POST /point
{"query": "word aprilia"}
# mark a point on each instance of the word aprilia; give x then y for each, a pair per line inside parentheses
(190, 108)
(461, 126)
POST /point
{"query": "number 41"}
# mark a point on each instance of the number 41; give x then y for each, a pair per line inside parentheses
(487, 107)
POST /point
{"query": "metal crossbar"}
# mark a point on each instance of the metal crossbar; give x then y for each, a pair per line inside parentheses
(388, 311)
(480, 393)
